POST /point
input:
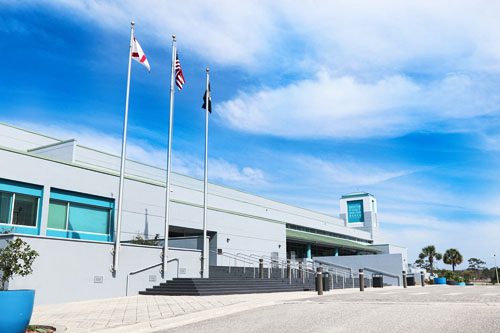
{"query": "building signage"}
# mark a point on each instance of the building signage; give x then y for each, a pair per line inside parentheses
(355, 211)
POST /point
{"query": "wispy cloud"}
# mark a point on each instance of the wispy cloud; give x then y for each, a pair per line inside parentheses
(352, 35)
(141, 150)
(343, 107)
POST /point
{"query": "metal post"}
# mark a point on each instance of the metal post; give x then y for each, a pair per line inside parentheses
(169, 163)
(205, 183)
(496, 267)
(261, 268)
(422, 279)
(361, 280)
(319, 280)
(289, 271)
(405, 282)
(116, 247)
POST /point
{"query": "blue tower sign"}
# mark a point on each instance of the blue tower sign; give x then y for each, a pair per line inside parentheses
(355, 211)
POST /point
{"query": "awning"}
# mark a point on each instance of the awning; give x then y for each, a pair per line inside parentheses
(313, 238)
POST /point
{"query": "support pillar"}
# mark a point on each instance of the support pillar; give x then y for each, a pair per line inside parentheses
(309, 251)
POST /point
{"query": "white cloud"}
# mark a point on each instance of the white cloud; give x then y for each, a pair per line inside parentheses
(142, 151)
(347, 108)
(352, 35)
(344, 172)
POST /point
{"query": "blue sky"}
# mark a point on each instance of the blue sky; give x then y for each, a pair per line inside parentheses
(311, 100)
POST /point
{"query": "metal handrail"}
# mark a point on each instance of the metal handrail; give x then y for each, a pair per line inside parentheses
(347, 268)
(231, 256)
(148, 268)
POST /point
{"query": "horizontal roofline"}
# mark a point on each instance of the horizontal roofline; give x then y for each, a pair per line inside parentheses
(357, 195)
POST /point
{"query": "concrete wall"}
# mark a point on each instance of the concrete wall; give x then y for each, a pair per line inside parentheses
(390, 263)
(393, 249)
(250, 222)
(69, 270)
(21, 139)
(63, 151)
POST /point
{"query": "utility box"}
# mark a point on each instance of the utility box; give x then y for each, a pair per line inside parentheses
(377, 281)
(410, 280)
(326, 281)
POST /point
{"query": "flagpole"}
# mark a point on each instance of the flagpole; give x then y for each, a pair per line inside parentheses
(116, 249)
(169, 164)
(205, 183)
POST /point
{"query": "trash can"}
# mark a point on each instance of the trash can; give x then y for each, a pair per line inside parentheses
(410, 280)
(326, 281)
(377, 281)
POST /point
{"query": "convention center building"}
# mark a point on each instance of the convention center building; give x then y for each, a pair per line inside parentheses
(60, 197)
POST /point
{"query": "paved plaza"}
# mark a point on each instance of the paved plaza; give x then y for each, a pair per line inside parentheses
(391, 309)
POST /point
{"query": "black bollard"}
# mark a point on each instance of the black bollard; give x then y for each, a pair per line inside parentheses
(405, 282)
(319, 280)
(261, 268)
(422, 279)
(289, 271)
(361, 280)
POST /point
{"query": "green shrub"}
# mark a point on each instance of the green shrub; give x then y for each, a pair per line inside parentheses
(16, 259)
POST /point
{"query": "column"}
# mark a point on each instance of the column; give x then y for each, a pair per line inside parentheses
(309, 251)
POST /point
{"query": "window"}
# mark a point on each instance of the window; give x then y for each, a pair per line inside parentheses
(5, 200)
(77, 217)
(57, 215)
(80, 216)
(24, 212)
(25, 208)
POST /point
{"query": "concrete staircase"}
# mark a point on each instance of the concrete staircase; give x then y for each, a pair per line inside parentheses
(226, 280)
(225, 286)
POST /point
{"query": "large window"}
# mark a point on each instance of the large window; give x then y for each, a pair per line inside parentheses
(18, 209)
(80, 216)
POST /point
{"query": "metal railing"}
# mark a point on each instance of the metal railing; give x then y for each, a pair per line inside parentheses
(148, 268)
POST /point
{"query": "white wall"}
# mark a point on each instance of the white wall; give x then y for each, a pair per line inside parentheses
(390, 263)
(66, 270)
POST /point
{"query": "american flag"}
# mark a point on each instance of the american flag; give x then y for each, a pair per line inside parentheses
(179, 77)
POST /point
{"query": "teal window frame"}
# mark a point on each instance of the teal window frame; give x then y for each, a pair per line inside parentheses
(15, 187)
(86, 201)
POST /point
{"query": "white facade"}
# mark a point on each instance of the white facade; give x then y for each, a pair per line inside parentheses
(238, 222)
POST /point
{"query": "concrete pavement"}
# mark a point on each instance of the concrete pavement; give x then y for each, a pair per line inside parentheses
(416, 309)
(391, 309)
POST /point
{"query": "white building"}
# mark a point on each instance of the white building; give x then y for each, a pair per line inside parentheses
(60, 197)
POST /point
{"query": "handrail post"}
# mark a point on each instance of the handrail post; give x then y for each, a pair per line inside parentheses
(361, 280)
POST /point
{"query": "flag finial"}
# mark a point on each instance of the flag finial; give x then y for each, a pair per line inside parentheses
(173, 37)
(208, 69)
(132, 23)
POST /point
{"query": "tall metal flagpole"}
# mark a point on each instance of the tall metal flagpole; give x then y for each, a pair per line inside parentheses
(169, 163)
(205, 183)
(116, 249)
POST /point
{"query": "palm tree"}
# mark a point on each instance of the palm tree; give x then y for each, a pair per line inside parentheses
(430, 253)
(453, 257)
